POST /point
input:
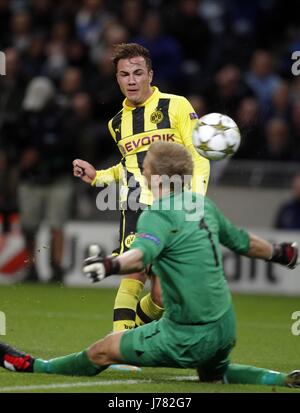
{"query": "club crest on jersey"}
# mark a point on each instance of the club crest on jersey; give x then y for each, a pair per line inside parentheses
(156, 116)
(129, 240)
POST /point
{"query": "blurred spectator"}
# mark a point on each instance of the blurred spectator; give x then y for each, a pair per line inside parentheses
(165, 51)
(262, 78)
(5, 16)
(295, 88)
(191, 31)
(71, 83)
(81, 125)
(295, 129)
(21, 30)
(46, 186)
(104, 88)
(57, 49)
(280, 106)
(42, 16)
(248, 121)
(93, 142)
(12, 88)
(213, 12)
(77, 56)
(277, 143)
(67, 9)
(112, 34)
(8, 185)
(234, 26)
(243, 16)
(271, 14)
(131, 16)
(34, 58)
(227, 91)
(288, 216)
(199, 104)
(3, 180)
(90, 21)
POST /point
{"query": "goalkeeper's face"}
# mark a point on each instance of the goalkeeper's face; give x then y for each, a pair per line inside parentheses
(134, 80)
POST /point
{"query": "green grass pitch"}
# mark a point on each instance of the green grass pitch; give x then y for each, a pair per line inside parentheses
(50, 321)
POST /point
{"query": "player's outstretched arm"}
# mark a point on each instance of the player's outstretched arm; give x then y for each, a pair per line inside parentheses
(97, 267)
(84, 170)
(284, 253)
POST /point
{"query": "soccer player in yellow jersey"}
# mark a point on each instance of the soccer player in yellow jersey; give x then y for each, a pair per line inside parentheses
(147, 115)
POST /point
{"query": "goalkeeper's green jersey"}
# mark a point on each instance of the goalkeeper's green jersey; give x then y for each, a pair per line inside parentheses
(181, 235)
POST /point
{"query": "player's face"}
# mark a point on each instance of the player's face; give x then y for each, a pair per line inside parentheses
(134, 80)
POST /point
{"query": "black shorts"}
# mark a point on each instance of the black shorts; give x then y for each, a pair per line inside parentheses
(128, 222)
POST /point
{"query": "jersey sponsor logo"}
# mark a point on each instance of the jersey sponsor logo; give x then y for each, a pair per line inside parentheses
(145, 141)
(193, 115)
(149, 237)
(156, 116)
(129, 240)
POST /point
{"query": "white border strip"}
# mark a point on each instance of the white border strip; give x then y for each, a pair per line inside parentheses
(55, 386)
(71, 385)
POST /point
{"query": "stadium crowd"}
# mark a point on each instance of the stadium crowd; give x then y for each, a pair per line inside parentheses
(225, 55)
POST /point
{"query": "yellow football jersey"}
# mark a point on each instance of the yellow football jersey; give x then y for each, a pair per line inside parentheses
(163, 116)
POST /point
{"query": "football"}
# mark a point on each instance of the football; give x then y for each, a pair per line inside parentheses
(216, 136)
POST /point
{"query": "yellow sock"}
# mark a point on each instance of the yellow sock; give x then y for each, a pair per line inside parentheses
(125, 304)
(147, 311)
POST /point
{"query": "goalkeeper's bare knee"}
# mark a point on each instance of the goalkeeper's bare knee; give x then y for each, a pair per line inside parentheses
(106, 351)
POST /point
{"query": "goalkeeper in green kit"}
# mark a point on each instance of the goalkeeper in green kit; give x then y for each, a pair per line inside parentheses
(180, 236)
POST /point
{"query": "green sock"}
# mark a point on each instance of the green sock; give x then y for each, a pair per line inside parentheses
(239, 373)
(76, 364)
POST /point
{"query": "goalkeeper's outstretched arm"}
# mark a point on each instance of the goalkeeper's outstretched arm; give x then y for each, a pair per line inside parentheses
(97, 267)
(130, 261)
(259, 248)
(284, 253)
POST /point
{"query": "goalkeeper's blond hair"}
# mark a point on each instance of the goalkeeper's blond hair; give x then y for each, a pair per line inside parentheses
(171, 159)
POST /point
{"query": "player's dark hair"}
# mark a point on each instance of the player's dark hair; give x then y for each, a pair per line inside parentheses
(129, 50)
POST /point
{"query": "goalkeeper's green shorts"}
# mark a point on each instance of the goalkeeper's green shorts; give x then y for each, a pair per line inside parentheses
(164, 343)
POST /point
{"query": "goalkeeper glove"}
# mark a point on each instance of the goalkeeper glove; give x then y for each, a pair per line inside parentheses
(97, 266)
(285, 253)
